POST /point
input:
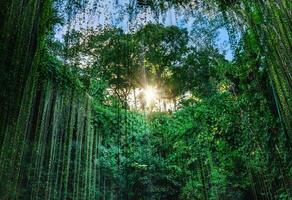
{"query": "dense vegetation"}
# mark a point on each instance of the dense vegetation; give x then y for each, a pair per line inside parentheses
(76, 121)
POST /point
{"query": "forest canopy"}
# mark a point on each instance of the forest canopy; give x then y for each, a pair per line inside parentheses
(146, 99)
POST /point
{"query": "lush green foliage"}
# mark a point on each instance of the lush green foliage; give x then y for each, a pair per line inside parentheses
(223, 146)
(68, 131)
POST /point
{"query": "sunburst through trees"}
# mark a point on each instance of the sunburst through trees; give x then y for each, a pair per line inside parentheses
(145, 100)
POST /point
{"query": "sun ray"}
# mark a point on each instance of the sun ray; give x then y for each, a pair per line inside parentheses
(150, 94)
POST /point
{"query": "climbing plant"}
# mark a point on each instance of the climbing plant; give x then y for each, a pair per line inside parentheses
(135, 108)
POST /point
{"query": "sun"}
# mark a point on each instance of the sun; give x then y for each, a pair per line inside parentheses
(150, 94)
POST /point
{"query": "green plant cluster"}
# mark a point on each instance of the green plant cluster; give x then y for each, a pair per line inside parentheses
(228, 145)
(67, 130)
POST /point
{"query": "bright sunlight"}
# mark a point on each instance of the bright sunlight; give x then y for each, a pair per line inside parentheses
(150, 94)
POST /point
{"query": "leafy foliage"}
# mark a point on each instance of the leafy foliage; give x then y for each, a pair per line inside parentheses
(68, 132)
